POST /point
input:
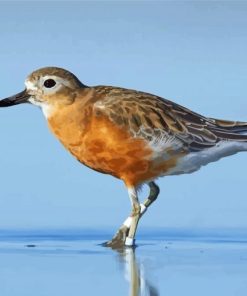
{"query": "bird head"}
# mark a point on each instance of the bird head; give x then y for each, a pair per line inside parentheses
(47, 88)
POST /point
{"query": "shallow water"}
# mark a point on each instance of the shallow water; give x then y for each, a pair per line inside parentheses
(74, 263)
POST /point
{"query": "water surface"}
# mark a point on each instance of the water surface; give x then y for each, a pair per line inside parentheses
(63, 263)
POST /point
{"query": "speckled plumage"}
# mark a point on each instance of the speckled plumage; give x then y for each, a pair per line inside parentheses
(149, 116)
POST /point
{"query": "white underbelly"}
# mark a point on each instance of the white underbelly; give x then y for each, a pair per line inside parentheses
(194, 160)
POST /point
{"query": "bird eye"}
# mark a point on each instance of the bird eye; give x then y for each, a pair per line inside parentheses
(49, 83)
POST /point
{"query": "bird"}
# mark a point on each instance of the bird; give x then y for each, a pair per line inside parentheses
(132, 135)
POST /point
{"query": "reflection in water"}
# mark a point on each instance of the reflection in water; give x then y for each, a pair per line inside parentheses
(135, 274)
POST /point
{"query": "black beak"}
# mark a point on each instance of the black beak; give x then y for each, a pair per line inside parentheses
(19, 98)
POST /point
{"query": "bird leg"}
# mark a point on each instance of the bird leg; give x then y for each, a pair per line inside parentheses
(153, 194)
(135, 217)
(118, 241)
(139, 211)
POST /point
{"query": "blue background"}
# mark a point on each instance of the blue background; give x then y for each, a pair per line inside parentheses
(191, 52)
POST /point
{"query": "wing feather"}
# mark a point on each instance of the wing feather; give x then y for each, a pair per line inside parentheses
(158, 120)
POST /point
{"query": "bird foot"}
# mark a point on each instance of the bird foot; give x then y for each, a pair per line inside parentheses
(118, 241)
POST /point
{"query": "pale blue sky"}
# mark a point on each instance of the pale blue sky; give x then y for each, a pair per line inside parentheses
(191, 52)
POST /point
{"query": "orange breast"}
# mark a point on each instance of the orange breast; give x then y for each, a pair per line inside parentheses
(101, 145)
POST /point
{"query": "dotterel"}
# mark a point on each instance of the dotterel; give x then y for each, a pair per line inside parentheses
(131, 135)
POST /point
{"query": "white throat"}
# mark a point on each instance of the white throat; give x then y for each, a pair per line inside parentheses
(46, 109)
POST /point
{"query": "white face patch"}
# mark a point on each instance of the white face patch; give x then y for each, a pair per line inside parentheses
(30, 85)
(33, 89)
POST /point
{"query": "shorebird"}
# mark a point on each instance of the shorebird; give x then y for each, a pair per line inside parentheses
(132, 135)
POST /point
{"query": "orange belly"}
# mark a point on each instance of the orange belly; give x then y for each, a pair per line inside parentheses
(105, 147)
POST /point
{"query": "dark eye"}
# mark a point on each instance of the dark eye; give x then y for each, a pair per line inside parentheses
(49, 83)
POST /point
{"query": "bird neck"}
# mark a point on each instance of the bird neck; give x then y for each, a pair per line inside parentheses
(69, 122)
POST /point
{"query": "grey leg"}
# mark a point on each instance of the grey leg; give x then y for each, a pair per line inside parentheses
(154, 192)
(118, 241)
(135, 216)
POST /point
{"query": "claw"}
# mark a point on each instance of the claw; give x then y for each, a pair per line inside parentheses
(118, 241)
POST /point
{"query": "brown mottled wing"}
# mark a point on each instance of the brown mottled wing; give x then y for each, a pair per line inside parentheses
(156, 119)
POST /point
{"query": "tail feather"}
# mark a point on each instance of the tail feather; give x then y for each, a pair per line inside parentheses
(229, 130)
(231, 126)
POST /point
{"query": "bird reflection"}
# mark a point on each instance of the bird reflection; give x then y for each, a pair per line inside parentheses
(135, 274)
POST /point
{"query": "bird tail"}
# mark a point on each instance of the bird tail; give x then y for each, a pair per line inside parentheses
(230, 130)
